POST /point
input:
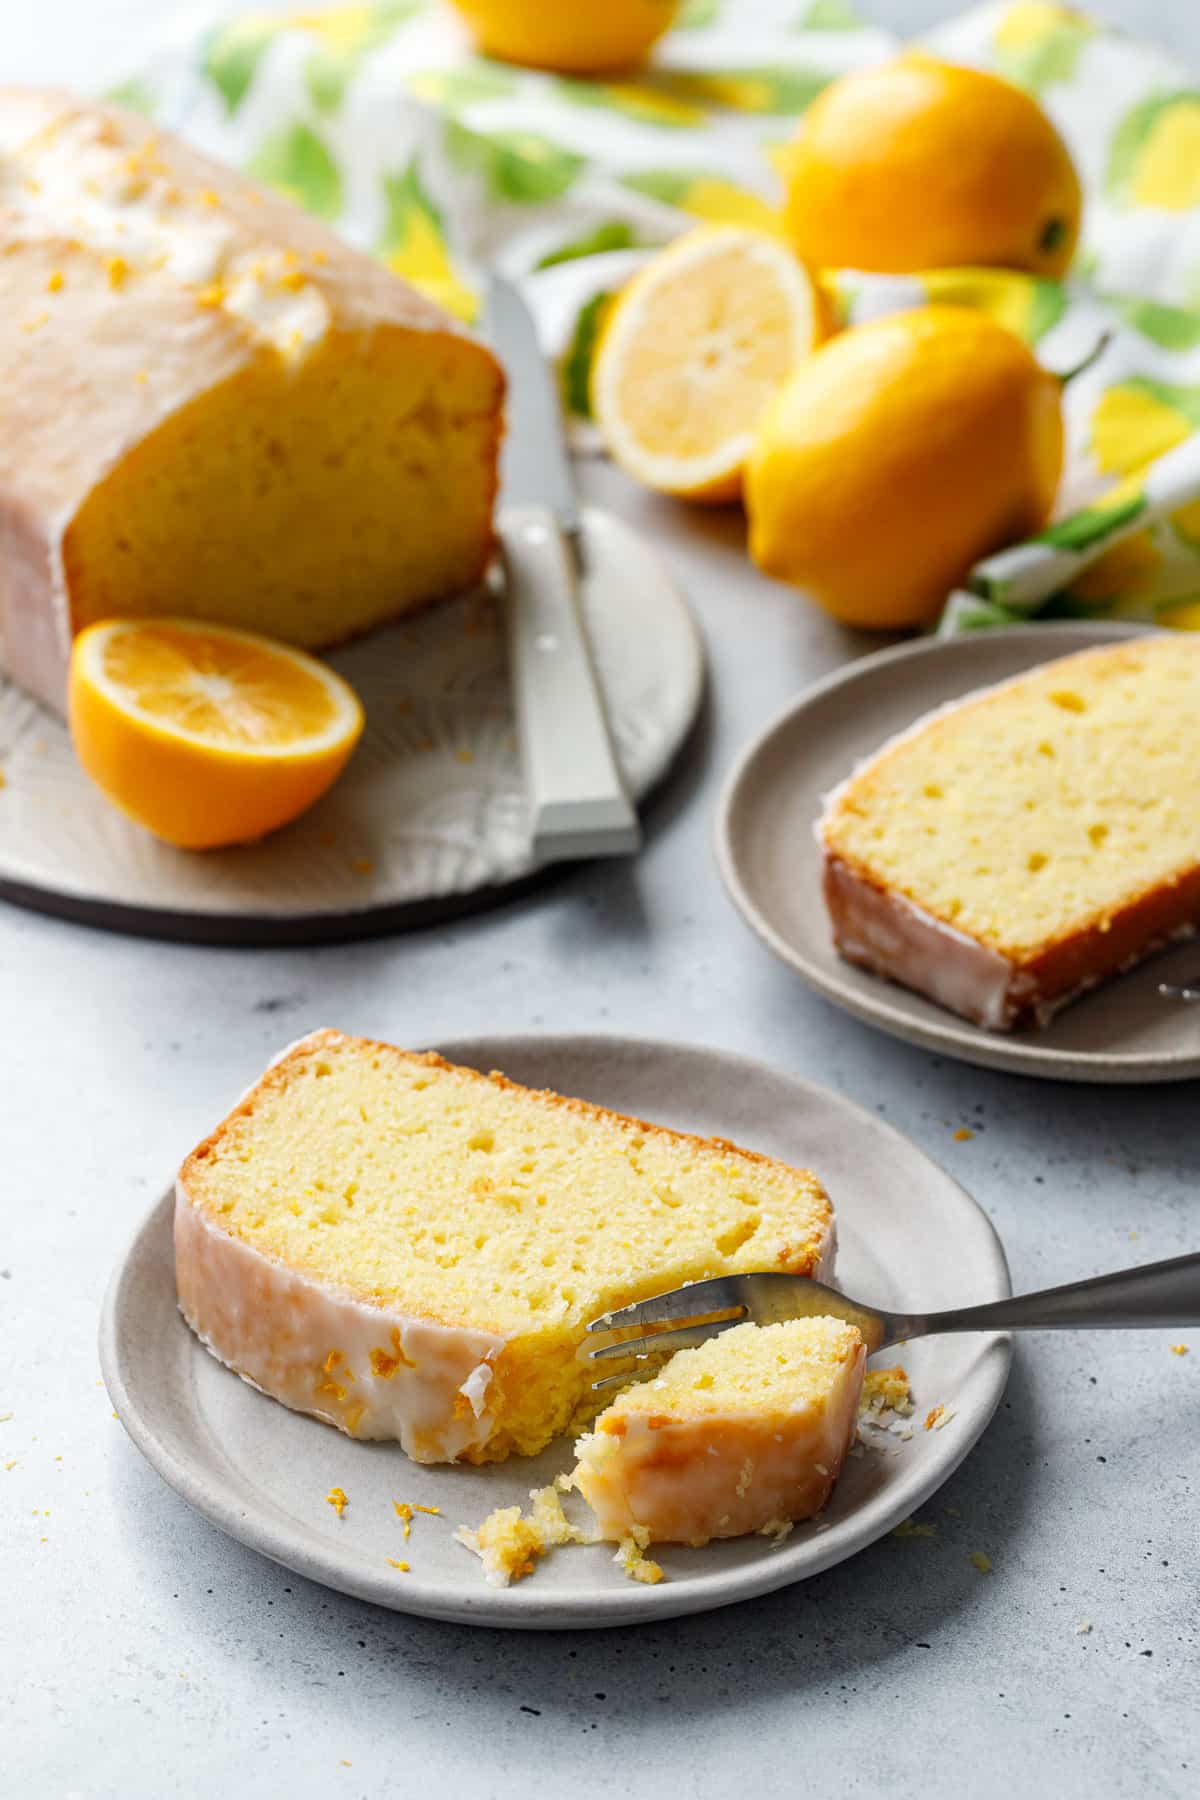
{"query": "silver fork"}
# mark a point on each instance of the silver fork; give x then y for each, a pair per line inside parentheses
(1157, 1294)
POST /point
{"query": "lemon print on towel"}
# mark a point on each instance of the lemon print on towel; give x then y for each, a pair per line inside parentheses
(707, 196)
(1038, 43)
(1027, 304)
(1155, 156)
(1138, 419)
(414, 244)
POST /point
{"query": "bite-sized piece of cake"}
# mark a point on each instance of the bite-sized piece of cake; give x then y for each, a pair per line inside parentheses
(213, 407)
(1009, 852)
(412, 1250)
(744, 1433)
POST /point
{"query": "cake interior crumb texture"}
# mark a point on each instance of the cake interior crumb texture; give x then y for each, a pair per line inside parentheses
(460, 1198)
(1042, 808)
(757, 1370)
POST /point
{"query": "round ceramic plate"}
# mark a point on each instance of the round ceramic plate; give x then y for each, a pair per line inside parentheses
(1125, 1031)
(261, 1473)
(430, 816)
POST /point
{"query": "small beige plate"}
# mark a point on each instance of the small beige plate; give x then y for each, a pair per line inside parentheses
(768, 855)
(430, 816)
(261, 1473)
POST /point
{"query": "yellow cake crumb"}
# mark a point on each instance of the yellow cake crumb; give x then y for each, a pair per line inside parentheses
(982, 1561)
(509, 1542)
(631, 1559)
(337, 1499)
(936, 1417)
(777, 1529)
(913, 1528)
(886, 1390)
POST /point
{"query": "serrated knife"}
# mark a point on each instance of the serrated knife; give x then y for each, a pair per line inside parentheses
(577, 800)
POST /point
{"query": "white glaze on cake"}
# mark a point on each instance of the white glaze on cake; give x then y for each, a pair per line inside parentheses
(371, 1371)
(713, 1475)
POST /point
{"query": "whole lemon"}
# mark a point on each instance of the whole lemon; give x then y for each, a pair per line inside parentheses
(588, 37)
(898, 454)
(921, 164)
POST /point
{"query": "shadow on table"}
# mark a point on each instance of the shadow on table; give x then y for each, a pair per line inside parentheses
(891, 1600)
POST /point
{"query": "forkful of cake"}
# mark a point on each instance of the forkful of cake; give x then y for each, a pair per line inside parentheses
(1155, 1295)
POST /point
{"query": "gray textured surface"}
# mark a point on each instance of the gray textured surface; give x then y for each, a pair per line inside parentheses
(143, 1654)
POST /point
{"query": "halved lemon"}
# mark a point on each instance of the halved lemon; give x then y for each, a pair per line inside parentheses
(703, 336)
(204, 734)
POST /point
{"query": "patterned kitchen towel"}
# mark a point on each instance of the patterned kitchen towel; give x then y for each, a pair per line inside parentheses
(381, 118)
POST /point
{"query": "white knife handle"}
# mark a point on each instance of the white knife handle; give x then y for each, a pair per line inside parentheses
(578, 804)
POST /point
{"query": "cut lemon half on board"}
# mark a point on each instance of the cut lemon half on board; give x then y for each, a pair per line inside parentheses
(203, 734)
(694, 347)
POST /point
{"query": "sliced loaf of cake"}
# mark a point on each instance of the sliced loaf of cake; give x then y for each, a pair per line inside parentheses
(413, 1250)
(1007, 853)
(213, 407)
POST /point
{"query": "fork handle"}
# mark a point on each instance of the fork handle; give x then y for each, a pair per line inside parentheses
(1157, 1294)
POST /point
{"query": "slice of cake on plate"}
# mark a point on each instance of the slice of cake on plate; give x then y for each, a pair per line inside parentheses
(747, 1432)
(411, 1250)
(1009, 852)
(214, 407)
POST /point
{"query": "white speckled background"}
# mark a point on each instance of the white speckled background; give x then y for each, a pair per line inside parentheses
(144, 1655)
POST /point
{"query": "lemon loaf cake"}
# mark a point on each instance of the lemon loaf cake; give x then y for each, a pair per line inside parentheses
(747, 1432)
(412, 1250)
(213, 406)
(1009, 852)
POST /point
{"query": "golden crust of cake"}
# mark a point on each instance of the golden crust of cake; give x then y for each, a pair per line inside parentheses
(370, 1225)
(1016, 848)
(744, 1433)
(213, 406)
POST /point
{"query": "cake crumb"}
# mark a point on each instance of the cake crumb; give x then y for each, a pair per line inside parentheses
(12, 1464)
(938, 1417)
(886, 1390)
(631, 1559)
(962, 1134)
(1179, 1349)
(337, 1499)
(982, 1561)
(1083, 1629)
(5, 1417)
(509, 1543)
(777, 1530)
(912, 1528)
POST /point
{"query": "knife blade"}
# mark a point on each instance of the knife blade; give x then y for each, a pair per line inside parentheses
(578, 802)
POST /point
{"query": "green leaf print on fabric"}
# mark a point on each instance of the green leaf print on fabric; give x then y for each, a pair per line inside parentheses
(469, 85)
(135, 96)
(576, 369)
(778, 88)
(1154, 159)
(1038, 44)
(696, 15)
(613, 234)
(1084, 527)
(232, 55)
(346, 36)
(415, 245)
(650, 98)
(705, 196)
(828, 15)
(1171, 327)
(518, 166)
(296, 162)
